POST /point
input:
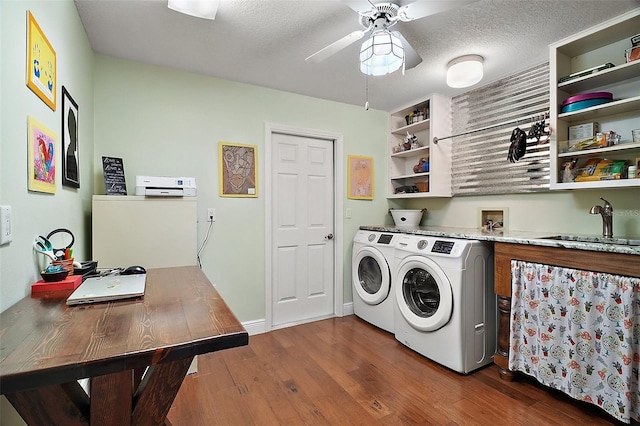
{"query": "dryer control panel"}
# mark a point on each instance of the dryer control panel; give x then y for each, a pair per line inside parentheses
(443, 247)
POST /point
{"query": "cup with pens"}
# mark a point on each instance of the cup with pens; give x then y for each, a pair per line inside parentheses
(64, 255)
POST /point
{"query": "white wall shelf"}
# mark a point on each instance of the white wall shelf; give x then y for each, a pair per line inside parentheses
(401, 163)
(635, 146)
(604, 43)
(605, 77)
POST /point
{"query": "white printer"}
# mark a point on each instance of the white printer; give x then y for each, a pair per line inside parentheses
(162, 186)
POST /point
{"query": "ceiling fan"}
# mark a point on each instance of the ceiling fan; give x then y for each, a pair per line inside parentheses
(391, 48)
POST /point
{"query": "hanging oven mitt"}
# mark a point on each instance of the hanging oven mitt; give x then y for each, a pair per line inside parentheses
(518, 147)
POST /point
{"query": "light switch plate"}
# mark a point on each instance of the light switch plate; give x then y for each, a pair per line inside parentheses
(5, 225)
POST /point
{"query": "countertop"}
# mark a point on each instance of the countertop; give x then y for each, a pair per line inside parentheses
(595, 243)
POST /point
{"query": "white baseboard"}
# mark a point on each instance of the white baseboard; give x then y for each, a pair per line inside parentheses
(255, 327)
(260, 326)
(193, 368)
(347, 309)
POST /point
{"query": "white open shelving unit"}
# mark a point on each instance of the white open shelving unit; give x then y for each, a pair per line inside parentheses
(593, 47)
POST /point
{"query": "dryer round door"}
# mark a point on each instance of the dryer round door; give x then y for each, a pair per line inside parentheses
(423, 293)
(371, 275)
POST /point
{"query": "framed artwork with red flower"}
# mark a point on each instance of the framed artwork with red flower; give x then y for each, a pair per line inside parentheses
(42, 157)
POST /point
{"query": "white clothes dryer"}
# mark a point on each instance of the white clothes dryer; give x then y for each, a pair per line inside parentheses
(445, 305)
(373, 298)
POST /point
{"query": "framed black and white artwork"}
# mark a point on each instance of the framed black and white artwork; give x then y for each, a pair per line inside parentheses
(70, 152)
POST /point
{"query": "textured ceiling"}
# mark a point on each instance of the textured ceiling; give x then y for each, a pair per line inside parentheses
(265, 42)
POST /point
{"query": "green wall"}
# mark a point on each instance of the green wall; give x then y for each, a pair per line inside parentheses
(164, 122)
(547, 213)
(38, 213)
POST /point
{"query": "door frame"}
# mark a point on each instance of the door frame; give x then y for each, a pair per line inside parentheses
(338, 203)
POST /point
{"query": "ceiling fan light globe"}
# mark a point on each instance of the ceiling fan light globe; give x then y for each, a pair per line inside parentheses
(465, 71)
(381, 54)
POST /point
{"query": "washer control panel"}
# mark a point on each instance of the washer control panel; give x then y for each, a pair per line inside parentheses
(385, 239)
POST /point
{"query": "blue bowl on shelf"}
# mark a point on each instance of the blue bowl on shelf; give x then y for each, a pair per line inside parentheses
(576, 106)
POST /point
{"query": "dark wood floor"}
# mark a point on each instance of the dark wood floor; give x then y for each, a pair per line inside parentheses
(347, 372)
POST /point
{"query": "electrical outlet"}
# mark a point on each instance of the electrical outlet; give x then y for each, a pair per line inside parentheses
(5, 225)
(211, 215)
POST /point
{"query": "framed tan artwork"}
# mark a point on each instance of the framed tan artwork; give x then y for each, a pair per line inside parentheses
(360, 177)
(238, 170)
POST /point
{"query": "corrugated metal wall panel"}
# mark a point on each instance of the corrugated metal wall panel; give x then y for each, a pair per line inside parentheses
(479, 159)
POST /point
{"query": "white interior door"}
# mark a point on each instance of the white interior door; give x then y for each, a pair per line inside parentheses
(303, 226)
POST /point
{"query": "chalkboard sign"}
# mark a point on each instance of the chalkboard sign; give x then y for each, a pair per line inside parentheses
(114, 182)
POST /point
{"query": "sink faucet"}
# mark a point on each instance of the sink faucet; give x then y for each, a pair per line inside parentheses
(607, 217)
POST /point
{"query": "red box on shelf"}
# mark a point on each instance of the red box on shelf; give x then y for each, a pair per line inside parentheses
(70, 283)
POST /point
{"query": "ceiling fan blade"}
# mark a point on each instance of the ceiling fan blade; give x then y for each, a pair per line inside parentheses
(411, 57)
(335, 47)
(421, 8)
(360, 6)
(206, 9)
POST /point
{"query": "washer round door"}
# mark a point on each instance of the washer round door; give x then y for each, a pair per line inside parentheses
(371, 276)
(423, 293)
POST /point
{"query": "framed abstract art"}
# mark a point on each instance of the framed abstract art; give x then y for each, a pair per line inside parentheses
(238, 170)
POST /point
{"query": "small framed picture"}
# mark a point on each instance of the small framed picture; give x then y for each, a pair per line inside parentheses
(42, 157)
(41, 63)
(360, 179)
(70, 153)
(238, 170)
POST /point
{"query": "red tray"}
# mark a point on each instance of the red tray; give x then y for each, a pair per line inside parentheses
(70, 283)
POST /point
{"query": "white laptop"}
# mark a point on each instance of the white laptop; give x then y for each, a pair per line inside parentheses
(109, 287)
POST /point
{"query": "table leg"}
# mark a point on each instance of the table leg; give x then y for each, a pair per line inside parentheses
(111, 399)
(157, 391)
(66, 404)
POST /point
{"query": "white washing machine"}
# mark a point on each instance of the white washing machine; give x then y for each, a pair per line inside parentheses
(445, 305)
(373, 298)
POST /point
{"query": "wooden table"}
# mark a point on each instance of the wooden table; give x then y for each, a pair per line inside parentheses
(47, 346)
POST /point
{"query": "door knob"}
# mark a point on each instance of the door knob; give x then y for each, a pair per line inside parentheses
(329, 237)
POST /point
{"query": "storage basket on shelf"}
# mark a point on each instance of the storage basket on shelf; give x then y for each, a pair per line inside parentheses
(67, 264)
(406, 218)
(423, 186)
